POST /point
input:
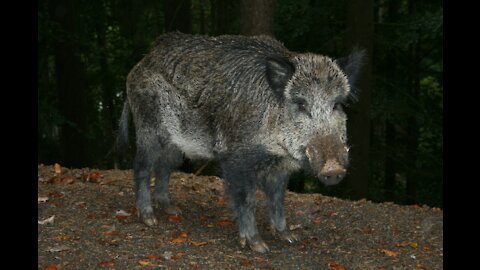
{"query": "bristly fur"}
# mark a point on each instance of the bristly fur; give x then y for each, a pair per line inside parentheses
(248, 103)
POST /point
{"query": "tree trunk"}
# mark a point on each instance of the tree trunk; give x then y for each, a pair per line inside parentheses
(390, 138)
(256, 17)
(360, 32)
(108, 91)
(178, 15)
(412, 124)
(71, 88)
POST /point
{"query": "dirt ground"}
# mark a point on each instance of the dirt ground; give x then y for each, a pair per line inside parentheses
(87, 220)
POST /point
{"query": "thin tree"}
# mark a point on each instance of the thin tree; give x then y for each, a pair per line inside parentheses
(360, 33)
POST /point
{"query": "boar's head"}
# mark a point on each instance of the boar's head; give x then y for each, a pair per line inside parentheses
(312, 90)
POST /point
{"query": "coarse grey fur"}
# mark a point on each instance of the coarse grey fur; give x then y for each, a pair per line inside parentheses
(260, 110)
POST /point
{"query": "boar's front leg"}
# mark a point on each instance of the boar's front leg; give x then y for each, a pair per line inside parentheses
(274, 185)
(240, 181)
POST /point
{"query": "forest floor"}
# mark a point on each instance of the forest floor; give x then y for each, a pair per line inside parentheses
(87, 220)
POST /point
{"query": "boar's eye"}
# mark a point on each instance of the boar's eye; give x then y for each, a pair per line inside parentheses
(302, 106)
(338, 106)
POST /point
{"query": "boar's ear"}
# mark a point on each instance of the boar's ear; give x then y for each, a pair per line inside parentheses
(279, 71)
(351, 64)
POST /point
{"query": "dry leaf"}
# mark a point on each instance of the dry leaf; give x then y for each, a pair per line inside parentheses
(178, 240)
(122, 213)
(336, 266)
(107, 263)
(316, 221)
(224, 222)
(210, 225)
(403, 244)
(85, 175)
(390, 253)
(58, 249)
(413, 245)
(50, 267)
(143, 262)
(154, 257)
(245, 263)
(197, 244)
(42, 199)
(174, 218)
(49, 220)
(419, 266)
(178, 255)
(183, 234)
(68, 180)
(95, 176)
(57, 168)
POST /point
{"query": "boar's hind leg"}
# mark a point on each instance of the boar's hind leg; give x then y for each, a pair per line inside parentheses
(241, 187)
(274, 186)
(141, 170)
(170, 158)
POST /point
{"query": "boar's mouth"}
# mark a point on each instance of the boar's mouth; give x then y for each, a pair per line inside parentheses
(328, 158)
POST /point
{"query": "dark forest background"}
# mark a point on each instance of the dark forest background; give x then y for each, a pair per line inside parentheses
(86, 49)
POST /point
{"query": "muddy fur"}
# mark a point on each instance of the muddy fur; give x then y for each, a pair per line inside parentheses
(246, 102)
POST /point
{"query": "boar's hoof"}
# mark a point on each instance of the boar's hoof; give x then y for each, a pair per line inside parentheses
(149, 219)
(172, 210)
(288, 236)
(255, 244)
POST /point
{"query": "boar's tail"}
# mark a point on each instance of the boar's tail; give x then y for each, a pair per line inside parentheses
(121, 143)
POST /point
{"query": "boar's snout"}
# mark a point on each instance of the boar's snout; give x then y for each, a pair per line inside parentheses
(328, 159)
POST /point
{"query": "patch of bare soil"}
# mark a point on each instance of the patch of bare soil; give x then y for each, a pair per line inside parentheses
(87, 220)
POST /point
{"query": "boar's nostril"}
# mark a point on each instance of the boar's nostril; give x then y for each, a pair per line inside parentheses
(332, 168)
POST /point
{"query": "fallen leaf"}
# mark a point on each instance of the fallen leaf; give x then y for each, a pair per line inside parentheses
(107, 263)
(42, 199)
(67, 180)
(245, 262)
(85, 175)
(316, 221)
(413, 245)
(95, 176)
(197, 244)
(50, 267)
(178, 255)
(57, 168)
(174, 218)
(63, 237)
(183, 234)
(49, 220)
(154, 257)
(224, 222)
(419, 266)
(260, 259)
(122, 213)
(143, 262)
(390, 253)
(58, 248)
(336, 266)
(178, 240)
(294, 227)
(426, 248)
(55, 180)
(210, 225)
(403, 244)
